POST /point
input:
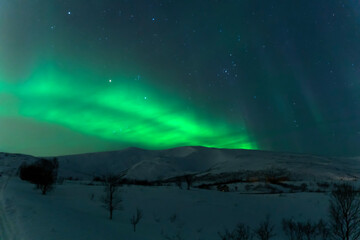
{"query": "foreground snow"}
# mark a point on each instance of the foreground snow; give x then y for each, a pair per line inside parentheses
(70, 212)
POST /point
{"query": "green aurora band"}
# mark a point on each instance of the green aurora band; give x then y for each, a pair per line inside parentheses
(120, 111)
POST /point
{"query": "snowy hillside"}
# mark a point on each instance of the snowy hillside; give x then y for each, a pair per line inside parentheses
(161, 164)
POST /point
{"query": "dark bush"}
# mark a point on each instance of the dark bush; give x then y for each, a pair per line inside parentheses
(42, 173)
(98, 179)
(204, 186)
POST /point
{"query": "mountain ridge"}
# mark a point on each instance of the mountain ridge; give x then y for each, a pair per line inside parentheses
(153, 165)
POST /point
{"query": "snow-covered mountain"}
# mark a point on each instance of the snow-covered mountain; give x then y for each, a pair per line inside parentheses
(151, 165)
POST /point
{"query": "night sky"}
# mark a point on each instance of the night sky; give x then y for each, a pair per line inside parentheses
(95, 75)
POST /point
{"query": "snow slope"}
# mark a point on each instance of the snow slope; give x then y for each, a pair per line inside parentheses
(161, 164)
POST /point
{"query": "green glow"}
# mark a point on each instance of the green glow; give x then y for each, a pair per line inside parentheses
(121, 111)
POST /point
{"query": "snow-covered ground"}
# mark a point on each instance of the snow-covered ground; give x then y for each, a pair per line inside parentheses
(73, 210)
(70, 212)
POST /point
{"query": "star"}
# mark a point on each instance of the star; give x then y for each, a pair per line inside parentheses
(69, 13)
(110, 80)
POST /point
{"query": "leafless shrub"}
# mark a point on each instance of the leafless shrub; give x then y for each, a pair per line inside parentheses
(291, 229)
(265, 231)
(242, 232)
(305, 230)
(136, 218)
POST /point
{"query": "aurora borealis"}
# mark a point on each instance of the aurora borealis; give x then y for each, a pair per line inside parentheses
(119, 112)
(85, 76)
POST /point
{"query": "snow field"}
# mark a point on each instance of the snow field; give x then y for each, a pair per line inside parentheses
(74, 211)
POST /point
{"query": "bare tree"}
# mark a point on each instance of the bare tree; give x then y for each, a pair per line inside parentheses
(111, 199)
(345, 213)
(136, 218)
(265, 231)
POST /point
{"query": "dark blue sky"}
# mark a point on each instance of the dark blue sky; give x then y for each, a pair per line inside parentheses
(274, 75)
